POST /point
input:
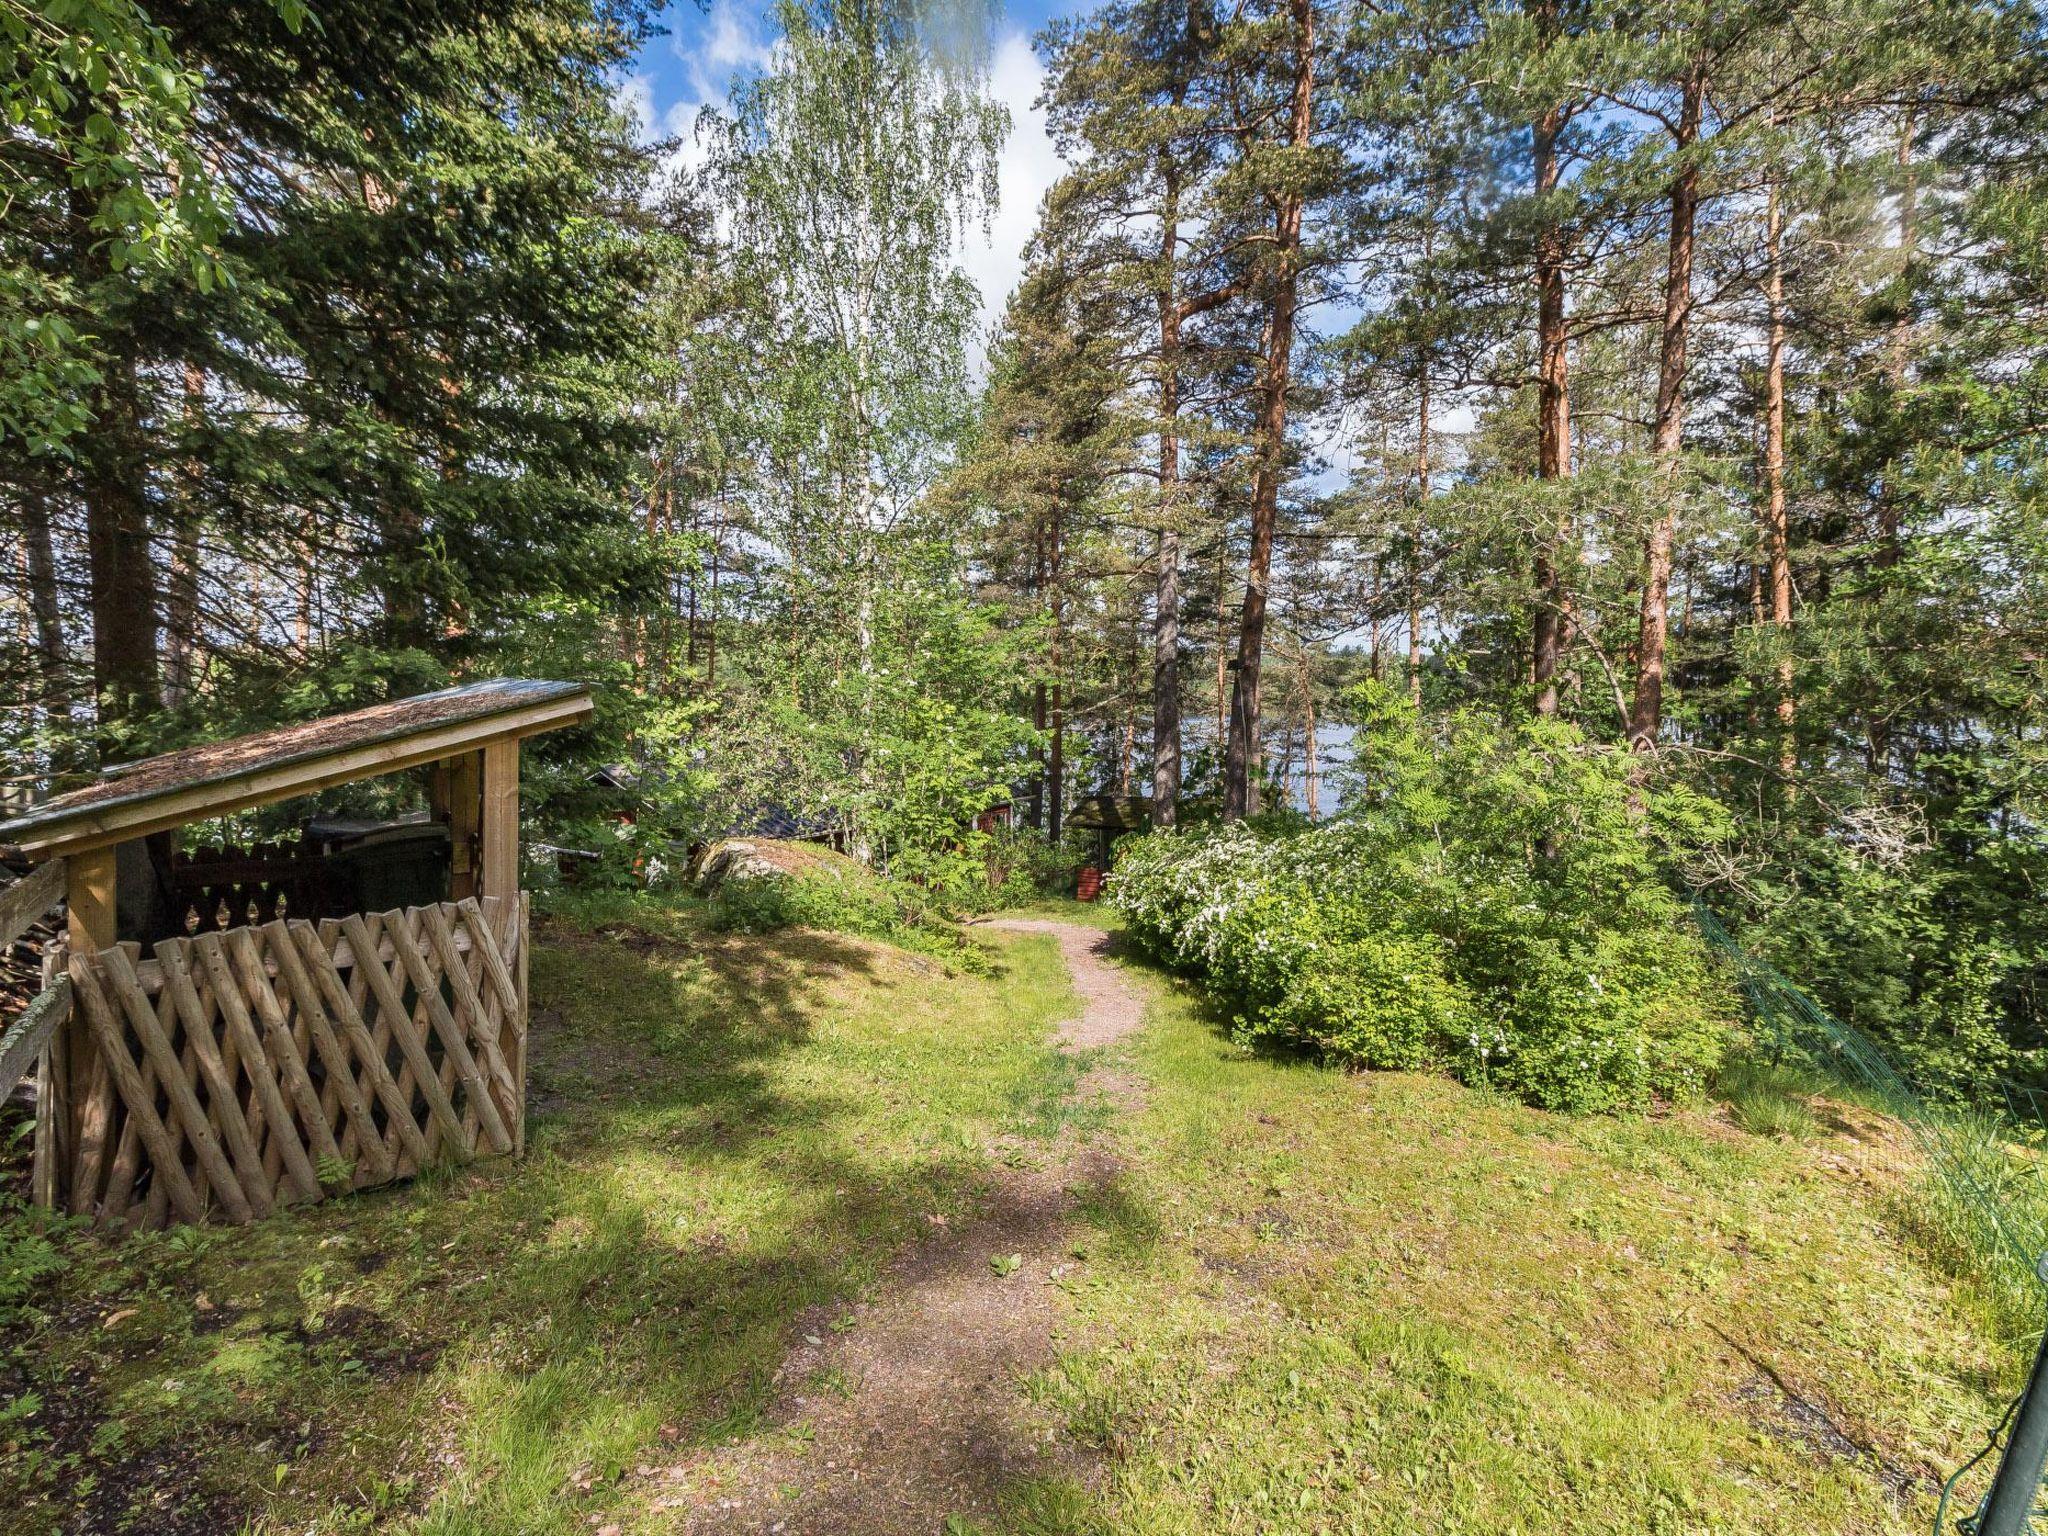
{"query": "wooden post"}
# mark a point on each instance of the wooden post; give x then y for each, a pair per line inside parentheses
(89, 895)
(500, 871)
(457, 793)
(89, 886)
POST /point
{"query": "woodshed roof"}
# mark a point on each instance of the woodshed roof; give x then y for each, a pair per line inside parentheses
(222, 777)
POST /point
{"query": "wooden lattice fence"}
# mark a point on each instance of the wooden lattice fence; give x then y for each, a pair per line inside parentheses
(238, 1071)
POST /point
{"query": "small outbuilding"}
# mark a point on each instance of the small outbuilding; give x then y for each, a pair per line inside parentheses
(227, 1031)
(1107, 817)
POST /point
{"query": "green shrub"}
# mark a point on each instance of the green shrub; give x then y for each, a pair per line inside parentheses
(1381, 1000)
(1937, 949)
(1023, 866)
(1491, 903)
(838, 894)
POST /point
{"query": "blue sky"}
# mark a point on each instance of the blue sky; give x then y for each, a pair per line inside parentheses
(705, 48)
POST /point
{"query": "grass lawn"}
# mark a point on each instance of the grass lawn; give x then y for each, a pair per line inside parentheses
(727, 1130)
(1312, 1301)
(1325, 1302)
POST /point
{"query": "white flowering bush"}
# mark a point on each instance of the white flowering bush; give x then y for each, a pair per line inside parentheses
(1491, 905)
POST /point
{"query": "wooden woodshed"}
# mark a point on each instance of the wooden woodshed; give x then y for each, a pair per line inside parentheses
(215, 1038)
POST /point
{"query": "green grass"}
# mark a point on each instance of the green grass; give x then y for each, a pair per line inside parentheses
(1326, 1302)
(1313, 1301)
(728, 1130)
(1769, 1099)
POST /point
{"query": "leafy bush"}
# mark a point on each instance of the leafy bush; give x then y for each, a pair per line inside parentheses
(1931, 939)
(815, 888)
(1490, 903)
(1023, 866)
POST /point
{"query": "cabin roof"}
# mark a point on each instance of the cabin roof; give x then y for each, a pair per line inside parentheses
(1110, 813)
(222, 777)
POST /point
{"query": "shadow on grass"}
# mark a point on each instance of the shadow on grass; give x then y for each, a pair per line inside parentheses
(511, 1334)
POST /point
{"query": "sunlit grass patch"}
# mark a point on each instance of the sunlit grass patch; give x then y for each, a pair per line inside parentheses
(1330, 1302)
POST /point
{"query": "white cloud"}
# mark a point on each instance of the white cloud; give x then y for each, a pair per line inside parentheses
(730, 42)
(1028, 166)
(691, 150)
(634, 97)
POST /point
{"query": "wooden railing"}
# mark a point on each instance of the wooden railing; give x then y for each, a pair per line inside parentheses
(218, 888)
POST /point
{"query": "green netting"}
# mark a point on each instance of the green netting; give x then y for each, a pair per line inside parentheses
(1985, 1188)
(1991, 1184)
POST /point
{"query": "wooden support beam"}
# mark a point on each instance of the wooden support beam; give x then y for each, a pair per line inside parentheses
(457, 794)
(500, 863)
(90, 888)
(89, 894)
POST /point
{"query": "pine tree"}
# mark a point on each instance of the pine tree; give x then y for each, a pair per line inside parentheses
(388, 406)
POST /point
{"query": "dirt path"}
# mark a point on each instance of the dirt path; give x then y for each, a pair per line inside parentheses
(912, 1414)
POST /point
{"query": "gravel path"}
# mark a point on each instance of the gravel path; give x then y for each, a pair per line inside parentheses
(913, 1413)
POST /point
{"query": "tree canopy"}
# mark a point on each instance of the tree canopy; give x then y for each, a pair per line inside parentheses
(1670, 374)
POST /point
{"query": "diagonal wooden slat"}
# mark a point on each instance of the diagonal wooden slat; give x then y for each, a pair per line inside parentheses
(154, 1208)
(291, 970)
(126, 1079)
(95, 1132)
(224, 1104)
(125, 1163)
(170, 1071)
(504, 919)
(454, 1037)
(488, 947)
(262, 1072)
(484, 1022)
(384, 978)
(392, 1010)
(319, 966)
(332, 945)
(518, 929)
(284, 1052)
(468, 1003)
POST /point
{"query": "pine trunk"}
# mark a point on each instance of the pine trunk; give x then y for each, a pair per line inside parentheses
(1415, 531)
(45, 607)
(1035, 815)
(1311, 767)
(1553, 398)
(113, 476)
(1166, 595)
(1646, 714)
(1222, 643)
(1878, 745)
(1553, 412)
(1776, 529)
(1241, 754)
